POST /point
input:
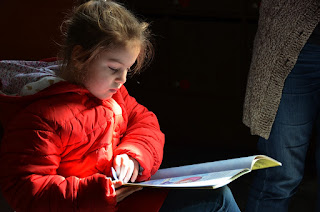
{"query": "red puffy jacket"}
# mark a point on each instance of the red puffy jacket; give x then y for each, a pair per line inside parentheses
(59, 144)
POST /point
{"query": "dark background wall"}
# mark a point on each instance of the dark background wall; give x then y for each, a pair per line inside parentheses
(196, 83)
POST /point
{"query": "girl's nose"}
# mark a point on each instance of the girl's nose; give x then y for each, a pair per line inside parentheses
(122, 77)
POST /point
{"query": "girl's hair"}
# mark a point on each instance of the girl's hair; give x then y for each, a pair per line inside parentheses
(99, 25)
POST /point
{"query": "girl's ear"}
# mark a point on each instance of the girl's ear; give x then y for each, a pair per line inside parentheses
(76, 52)
(75, 73)
(76, 61)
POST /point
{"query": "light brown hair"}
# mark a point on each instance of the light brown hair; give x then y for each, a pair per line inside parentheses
(99, 25)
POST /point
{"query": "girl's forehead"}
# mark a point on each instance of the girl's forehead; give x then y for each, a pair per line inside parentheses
(122, 54)
(128, 46)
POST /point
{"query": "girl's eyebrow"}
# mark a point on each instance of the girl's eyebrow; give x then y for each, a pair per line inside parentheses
(116, 60)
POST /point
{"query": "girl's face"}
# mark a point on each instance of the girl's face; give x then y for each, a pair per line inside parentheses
(108, 72)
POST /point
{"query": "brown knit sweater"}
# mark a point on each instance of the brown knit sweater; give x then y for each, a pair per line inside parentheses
(284, 28)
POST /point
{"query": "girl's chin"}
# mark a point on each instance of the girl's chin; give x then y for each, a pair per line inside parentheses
(109, 96)
(104, 97)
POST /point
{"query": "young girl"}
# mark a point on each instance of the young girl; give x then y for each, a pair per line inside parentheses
(66, 123)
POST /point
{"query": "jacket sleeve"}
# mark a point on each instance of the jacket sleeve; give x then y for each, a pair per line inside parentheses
(143, 139)
(29, 159)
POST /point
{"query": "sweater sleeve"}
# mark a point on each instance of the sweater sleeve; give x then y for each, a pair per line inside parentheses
(143, 139)
(29, 160)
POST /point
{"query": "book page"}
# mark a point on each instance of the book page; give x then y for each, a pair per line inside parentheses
(223, 165)
(262, 161)
(213, 180)
(207, 175)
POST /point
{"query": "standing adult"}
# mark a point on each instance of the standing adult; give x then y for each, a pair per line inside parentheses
(282, 100)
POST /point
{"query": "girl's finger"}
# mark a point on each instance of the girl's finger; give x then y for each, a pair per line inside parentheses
(123, 170)
(117, 164)
(129, 171)
(134, 175)
(117, 183)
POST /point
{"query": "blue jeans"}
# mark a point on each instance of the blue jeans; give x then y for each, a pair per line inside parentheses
(200, 200)
(296, 121)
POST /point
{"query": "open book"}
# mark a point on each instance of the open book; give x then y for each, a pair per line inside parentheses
(209, 175)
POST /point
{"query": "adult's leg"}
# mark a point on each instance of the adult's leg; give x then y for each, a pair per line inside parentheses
(290, 136)
(317, 133)
(200, 200)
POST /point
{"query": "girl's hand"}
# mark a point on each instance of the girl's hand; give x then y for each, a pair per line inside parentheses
(123, 192)
(127, 168)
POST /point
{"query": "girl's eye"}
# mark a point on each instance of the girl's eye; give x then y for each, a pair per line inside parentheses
(114, 69)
